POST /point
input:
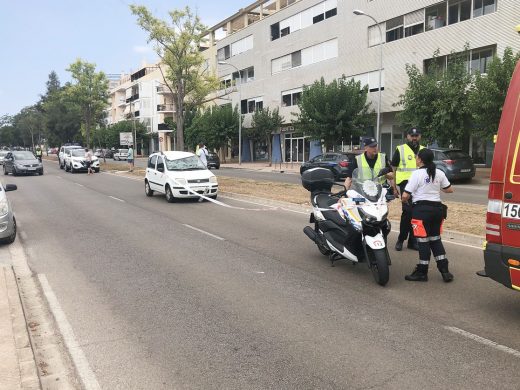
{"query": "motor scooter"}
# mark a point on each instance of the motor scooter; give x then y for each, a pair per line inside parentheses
(351, 224)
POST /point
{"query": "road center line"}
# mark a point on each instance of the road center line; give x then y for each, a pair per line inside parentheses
(113, 197)
(83, 369)
(204, 232)
(81, 185)
(484, 341)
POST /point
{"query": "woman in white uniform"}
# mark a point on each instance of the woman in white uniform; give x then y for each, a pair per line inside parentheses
(428, 214)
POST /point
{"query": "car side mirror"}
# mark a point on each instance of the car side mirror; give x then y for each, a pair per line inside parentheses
(160, 169)
(10, 187)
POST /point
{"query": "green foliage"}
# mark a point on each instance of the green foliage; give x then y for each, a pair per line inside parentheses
(334, 112)
(215, 126)
(177, 43)
(108, 137)
(29, 124)
(265, 122)
(89, 92)
(488, 94)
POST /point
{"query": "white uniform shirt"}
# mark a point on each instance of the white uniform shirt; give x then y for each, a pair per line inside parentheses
(422, 188)
(203, 155)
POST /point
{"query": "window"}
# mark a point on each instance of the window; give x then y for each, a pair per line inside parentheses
(285, 31)
(318, 18)
(292, 97)
(371, 80)
(307, 56)
(484, 7)
(480, 60)
(241, 45)
(151, 162)
(414, 23)
(246, 75)
(160, 164)
(223, 53)
(435, 65)
(296, 58)
(375, 35)
(275, 31)
(458, 11)
(394, 29)
(435, 16)
(330, 13)
(249, 106)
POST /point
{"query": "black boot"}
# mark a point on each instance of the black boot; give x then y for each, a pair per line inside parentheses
(419, 274)
(442, 265)
(412, 244)
(399, 246)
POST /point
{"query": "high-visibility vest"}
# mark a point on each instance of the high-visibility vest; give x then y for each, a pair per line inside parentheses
(407, 164)
(363, 166)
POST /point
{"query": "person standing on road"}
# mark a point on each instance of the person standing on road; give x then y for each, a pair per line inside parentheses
(403, 164)
(130, 158)
(39, 153)
(203, 154)
(370, 161)
(428, 214)
(88, 161)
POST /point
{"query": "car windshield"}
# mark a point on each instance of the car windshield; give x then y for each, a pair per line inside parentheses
(23, 155)
(185, 164)
(3, 153)
(78, 153)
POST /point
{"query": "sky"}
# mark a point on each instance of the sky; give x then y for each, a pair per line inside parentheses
(41, 36)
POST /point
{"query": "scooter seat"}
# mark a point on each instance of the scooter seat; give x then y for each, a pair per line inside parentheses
(323, 200)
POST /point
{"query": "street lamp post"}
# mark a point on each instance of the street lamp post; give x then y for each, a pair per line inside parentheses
(359, 12)
(239, 110)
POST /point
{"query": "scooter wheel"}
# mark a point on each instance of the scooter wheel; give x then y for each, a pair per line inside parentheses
(379, 265)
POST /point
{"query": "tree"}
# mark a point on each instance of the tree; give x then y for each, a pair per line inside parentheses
(437, 101)
(215, 126)
(109, 136)
(29, 124)
(334, 112)
(264, 123)
(177, 44)
(89, 92)
(488, 94)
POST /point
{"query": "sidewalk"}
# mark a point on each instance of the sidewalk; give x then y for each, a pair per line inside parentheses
(17, 363)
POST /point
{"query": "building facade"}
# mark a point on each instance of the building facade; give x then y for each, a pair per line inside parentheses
(281, 45)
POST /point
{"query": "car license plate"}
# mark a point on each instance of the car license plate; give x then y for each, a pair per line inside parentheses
(465, 170)
(31, 169)
(511, 210)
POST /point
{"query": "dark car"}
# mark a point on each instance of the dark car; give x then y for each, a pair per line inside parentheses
(456, 164)
(21, 163)
(337, 163)
(213, 160)
(108, 153)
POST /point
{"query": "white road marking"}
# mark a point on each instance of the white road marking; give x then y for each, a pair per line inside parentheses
(452, 242)
(259, 272)
(484, 341)
(113, 197)
(59, 177)
(81, 185)
(264, 205)
(478, 188)
(204, 232)
(125, 177)
(83, 369)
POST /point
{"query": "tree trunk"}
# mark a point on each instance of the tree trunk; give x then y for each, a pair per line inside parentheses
(270, 150)
(179, 116)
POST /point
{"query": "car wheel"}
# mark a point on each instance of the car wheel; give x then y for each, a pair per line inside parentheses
(96, 170)
(12, 237)
(71, 169)
(41, 173)
(15, 173)
(169, 194)
(213, 196)
(147, 190)
(217, 167)
(5, 171)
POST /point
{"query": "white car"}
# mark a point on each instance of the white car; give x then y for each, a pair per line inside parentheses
(75, 161)
(3, 153)
(61, 154)
(121, 154)
(7, 218)
(179, 175)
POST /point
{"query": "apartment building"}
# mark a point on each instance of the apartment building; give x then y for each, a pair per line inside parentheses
(143, 96)
(280, 45)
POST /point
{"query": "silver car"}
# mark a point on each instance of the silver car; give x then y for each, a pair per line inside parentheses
(3, 153)
(7, 219)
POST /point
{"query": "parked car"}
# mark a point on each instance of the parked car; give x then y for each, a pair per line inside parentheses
(75, 161)
(213, 160)
(337, 163)
(456, 164)
(98, 153)
(179, 175)
(108, 153)
(61, 154)
(22, 162)
(121, 154)
(7, 218)
(3, 153)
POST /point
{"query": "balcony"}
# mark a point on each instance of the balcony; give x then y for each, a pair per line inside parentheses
(132, 98)
(122, 102)
(165, 108)
(161, 89)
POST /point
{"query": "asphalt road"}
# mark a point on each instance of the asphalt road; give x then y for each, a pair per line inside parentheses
(473, 192)
(196, 296)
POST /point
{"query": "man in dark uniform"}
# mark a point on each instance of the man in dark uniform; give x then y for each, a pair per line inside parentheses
(370, 159)
(403, 164)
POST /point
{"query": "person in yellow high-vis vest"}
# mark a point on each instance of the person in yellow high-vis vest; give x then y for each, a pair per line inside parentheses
(370, 161)
(403, 164)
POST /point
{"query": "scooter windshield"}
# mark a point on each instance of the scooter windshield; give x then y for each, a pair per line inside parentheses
(366, 183)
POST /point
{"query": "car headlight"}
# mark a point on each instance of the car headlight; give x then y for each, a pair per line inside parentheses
(18, 165)
(366, 216)
(180, 181)
(4, 207)
(213, 179)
